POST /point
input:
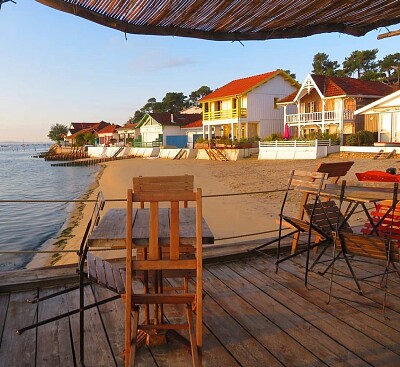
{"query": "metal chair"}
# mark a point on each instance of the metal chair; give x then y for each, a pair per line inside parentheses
(374, 246)
(91, 269)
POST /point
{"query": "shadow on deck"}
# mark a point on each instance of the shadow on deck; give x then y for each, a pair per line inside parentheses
(252, 317)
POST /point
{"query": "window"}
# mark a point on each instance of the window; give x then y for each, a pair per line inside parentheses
(276, 99)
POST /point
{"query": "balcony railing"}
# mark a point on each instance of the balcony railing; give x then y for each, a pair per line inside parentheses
(317, 117)
(225, 114)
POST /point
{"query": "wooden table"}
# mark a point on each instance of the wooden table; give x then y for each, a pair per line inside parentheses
(111, 231)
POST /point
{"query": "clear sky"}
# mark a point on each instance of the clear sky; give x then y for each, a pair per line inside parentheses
(58, 68)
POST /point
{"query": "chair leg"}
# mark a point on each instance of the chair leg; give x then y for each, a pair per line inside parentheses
(134, 341)
(192, 335)
(66, 314)
(353, 274)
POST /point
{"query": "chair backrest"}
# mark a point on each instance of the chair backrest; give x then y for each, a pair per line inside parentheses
(326, 216)
(93, 222)
(163, 183)
(335, 170)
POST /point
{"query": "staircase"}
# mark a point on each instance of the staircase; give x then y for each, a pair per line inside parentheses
(117, 152)
(215, 154)
(181, 154)
(382, 155)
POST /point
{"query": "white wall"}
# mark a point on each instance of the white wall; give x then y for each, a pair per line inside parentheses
(260, 105)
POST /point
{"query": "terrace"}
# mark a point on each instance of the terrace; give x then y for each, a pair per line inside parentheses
(252, 317)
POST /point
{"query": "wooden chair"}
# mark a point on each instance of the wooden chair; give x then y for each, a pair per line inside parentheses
(334, 171)
(176, 184)
(157, 261)
(309, 182)
(91, 269)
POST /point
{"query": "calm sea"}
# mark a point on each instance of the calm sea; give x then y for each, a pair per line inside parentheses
(26, 226)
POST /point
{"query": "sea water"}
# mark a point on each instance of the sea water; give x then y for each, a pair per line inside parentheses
(28, 225)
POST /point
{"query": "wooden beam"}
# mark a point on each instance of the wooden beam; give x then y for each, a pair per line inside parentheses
(388, 34)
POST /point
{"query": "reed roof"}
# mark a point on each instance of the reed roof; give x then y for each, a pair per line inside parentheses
(235, 20)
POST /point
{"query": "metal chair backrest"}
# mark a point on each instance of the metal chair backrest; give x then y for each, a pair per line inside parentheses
(335, 170)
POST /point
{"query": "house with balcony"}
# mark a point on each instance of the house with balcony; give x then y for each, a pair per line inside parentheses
(386, 111)
(247, 107)
(326, 104)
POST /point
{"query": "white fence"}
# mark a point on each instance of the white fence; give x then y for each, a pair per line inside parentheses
(297, 149)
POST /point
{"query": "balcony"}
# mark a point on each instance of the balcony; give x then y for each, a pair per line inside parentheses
(311, 118)
(225, 114)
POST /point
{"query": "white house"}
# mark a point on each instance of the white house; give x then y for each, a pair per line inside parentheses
(165, 128)
(247, 107)
(388, 111)
(326, 104)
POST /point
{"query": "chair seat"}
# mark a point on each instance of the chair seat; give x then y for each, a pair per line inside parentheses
(111, 276)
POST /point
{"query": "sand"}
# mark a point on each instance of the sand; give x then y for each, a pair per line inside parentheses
(229, 217)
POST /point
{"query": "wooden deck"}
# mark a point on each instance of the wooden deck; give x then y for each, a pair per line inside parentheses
(252, 317)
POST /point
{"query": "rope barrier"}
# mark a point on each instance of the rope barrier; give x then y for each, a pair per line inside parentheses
(57, 251)
(33, 201)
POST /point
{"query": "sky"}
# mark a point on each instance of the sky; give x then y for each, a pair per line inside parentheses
(59, 68)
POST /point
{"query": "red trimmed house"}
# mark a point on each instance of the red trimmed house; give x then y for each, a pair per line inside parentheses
(327, 104)
(108, 135)
(247, 107)
(83, 129)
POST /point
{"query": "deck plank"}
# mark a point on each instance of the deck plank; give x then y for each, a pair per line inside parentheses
(295, 316)
(97, 349)
(258, 326)
(367, 342)
(53, 339)
(4, 300)
(19, 350)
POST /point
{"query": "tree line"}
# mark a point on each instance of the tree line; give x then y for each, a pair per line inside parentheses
(361, 65)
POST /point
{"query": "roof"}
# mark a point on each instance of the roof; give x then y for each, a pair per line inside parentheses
(180, 119)
(390, 102)
(109, 129)
(128, 126)
(194, 124)
(331, 86)
(94, 128)
(235, 20)
(245, 85)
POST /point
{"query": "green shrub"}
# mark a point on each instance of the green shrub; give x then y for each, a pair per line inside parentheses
(273, 137)
(361, 138)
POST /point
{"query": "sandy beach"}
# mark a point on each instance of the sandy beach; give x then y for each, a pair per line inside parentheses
(229, 217)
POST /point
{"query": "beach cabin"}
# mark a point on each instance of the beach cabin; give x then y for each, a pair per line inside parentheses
(193, 131)
(247, 107)
(326, 104)
(108, 135)
(386, 111)
(165, 128)
(81, 132)
(126, 133)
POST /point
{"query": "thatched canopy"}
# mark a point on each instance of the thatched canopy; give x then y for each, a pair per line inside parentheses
(230, 20)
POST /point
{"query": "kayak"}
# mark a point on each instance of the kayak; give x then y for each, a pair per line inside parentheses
(378, 176)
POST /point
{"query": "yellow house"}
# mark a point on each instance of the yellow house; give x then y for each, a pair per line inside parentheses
(247, 107)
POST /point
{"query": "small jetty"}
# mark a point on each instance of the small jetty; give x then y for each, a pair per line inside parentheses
(90, 161)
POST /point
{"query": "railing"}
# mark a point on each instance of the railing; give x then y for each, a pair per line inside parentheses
(298, 143)
(317, 117)
(225, 114)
